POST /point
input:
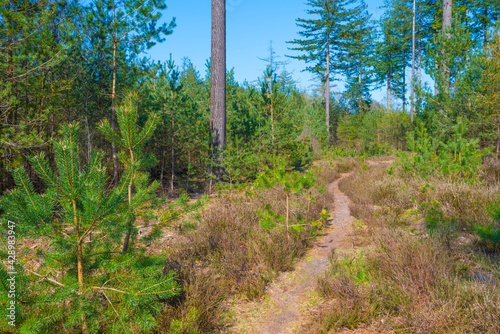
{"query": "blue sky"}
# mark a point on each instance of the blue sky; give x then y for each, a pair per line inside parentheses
(250, 26)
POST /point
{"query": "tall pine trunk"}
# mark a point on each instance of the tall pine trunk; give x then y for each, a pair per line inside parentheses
(389, 87)
(172, 152)
(404, 81)
(113, 103)
(485, 28)
(419, 80)
(327, 88)
(360, 92)
(218, 85)
(447, 15)
(419, 44)
(412, 106)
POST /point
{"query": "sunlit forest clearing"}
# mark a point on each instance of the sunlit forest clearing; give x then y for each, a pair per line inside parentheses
(139, 196)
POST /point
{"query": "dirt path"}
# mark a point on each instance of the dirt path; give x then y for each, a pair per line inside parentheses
(286, 302)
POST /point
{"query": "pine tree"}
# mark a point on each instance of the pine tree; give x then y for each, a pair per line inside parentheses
(487, 96)
(323, 37)
(273, 91)
(357, 57)
(134, 24)
(30, 50)
(393, 51)
(485, 16)
(132, 140)
(385, 56)
(81, 283)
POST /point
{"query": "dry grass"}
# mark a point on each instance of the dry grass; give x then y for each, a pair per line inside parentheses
(405, 280)
(230, 254)
(460, 202)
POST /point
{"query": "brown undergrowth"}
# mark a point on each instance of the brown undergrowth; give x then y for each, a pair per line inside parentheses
(417, 267)
(229, 253)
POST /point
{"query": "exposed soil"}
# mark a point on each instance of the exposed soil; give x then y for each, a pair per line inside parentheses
(288, 300)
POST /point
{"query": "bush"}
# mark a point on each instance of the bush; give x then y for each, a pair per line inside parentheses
(459, 156)
(232, 254)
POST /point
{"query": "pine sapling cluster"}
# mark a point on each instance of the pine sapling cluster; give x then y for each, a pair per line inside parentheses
(290, 184)
(77, 278)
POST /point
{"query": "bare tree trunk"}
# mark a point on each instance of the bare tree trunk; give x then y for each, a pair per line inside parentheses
(327, 88)
(412, 106)
(162, 171)
(113, 104)
(447, 15)
(498, 135)
(404, 81)
(436, 79)
(218, 84)
(172, 153)
(89, 143)
(359, 84)
(485, 40)
(271, 109)
(419, 44)
(389, 86)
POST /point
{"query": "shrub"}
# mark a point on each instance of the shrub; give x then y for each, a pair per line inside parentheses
(80, 281)
(458, 156)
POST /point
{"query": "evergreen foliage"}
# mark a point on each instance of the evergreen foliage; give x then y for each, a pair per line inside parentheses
(79, 280)
(132, 140)
(458, 156)
(291, 184)
(357, 58)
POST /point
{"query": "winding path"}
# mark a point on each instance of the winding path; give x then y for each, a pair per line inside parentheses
(285, 305)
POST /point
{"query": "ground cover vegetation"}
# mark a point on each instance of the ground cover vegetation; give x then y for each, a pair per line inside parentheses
(130, 219)
(417, 265)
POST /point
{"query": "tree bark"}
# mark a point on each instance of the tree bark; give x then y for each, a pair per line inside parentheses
(113, 103)
(419, 44)
(162, 170)
(172, 153)
(447, 13)
(218, 84)
(404, 81)
(412, 106)
(447, 16)
(360, 92)
(389, 87)
(327, 88)
(485, 40)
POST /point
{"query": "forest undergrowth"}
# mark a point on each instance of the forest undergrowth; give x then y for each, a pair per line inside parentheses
(416, 265)
(231, 252)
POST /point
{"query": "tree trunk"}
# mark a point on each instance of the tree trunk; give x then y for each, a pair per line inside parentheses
(129, 193)
(327, 88)
(412, 106)
(404, 81)
(447, 15)
(172, 153)
(271, 109)
(79, 261)
(218, 84)
(162, 170)
(485, 40)
(360, 92)
(113, 104)
(419, 79)
(389, 86)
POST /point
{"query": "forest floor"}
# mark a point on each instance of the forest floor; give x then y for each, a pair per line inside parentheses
(288, 301)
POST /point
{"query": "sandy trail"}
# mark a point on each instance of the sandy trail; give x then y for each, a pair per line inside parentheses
(286, 303)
